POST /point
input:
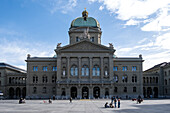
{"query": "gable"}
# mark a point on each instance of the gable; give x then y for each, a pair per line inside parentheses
(85, 46)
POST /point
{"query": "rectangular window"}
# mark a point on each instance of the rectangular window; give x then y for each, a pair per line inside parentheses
(45, 68)
(134, 68)
(35, 68)
(54, 68)
(115, 68)
(124, 68)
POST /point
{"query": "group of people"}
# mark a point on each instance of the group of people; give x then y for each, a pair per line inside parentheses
(113, 105)
(21, 101)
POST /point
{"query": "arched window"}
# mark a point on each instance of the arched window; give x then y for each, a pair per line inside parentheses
(96, 71)
(74, 70)
(44, 90)
(156, 79)
(134, 78)
(150, 79)
(34, 90)
(53, 79)
(143, 79)
(106, 71)
(0, 74)
(166, 82)
(124, 78)
(115, 89)
(147, 80)
(85, 71)
(35, 79)
(125, 89)
(45, 80)
(9, 80)
(134, 89)
(115, 78)
(64, 71)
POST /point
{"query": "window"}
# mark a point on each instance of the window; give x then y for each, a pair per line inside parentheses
(165, 73)
(92, 39)
(53, 79)
(156, 79)
(0, 74)
(34, 90)
(53, 90)
(150, 79)
(166, 91)
(143, 79)
(134, 89)
(54, 68)
(35, 68)
(45, 68)
(9, 80)
(147, 80)
(64, 71)
(74, 70)
(63, 92)
(165, 82)
(115, 78)
(35, 79)
(85, 71)
(124, 68)
(106, 71)
(44, 90)
(115, 68)
(0, 83)
(77, 39)
(134, 78)
(115, 89)
(45, 80)
(96, 71)
(125, 89)
(124, 78)
(134, 68)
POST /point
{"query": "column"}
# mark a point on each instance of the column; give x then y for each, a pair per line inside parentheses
(101, 63)
(79, 68)
(68, 67)
(91, 67)
(111, 67)
(59, 68)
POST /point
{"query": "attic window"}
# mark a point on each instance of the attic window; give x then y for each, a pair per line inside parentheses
(77, 39)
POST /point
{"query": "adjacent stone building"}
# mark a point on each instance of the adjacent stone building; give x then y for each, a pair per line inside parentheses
(156, 81)
(12, 81)
(84, 68)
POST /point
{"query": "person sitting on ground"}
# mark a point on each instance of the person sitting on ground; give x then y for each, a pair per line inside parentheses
(111, 105)
(106, 105)
(50, 102)
(23, 100)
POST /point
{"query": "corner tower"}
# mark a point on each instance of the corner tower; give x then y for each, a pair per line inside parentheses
(85, 28)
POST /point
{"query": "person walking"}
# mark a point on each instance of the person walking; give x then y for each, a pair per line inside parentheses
(119, 103)
(70, 99)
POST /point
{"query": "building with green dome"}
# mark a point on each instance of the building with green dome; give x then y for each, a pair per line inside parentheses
(82, 69)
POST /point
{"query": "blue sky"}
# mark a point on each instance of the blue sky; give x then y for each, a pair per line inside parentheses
(133, 26)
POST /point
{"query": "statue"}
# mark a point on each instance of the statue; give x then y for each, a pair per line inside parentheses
(59, 45)
(110, 45)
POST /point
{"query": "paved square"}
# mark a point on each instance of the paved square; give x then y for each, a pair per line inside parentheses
(84, 106)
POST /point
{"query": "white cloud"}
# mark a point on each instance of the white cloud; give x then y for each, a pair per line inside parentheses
(101, 8)
(153, 13)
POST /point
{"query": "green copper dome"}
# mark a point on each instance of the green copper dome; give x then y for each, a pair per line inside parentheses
(81, 22)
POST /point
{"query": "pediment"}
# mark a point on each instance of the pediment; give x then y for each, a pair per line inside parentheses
(85, 46)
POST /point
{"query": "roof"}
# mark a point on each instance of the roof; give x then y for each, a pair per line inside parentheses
(89, 22)
(163, 64)
(5, 65)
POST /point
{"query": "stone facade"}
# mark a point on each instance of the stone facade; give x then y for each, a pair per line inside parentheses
(85, 68)
(12, 81)
(157, 81)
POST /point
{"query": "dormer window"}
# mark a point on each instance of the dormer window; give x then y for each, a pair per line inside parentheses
(77, 39)
(92, 39)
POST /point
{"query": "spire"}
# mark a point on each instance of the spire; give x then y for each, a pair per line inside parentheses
(85, 14)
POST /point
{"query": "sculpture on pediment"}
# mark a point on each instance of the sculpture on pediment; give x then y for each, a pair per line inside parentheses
(58, 45)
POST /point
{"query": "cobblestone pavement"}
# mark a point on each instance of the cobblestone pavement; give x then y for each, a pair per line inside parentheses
(84, 106)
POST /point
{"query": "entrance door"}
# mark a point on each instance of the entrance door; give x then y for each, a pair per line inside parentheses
(85, 92)
(74, 92)
(96, 92)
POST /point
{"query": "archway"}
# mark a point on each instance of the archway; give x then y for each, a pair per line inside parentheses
(155, 90)
(11, 92)
(106, 92)
(74, 92)
(24, 92)
(18, 92)
(85, 92)
(149, 92)
(96, 92)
